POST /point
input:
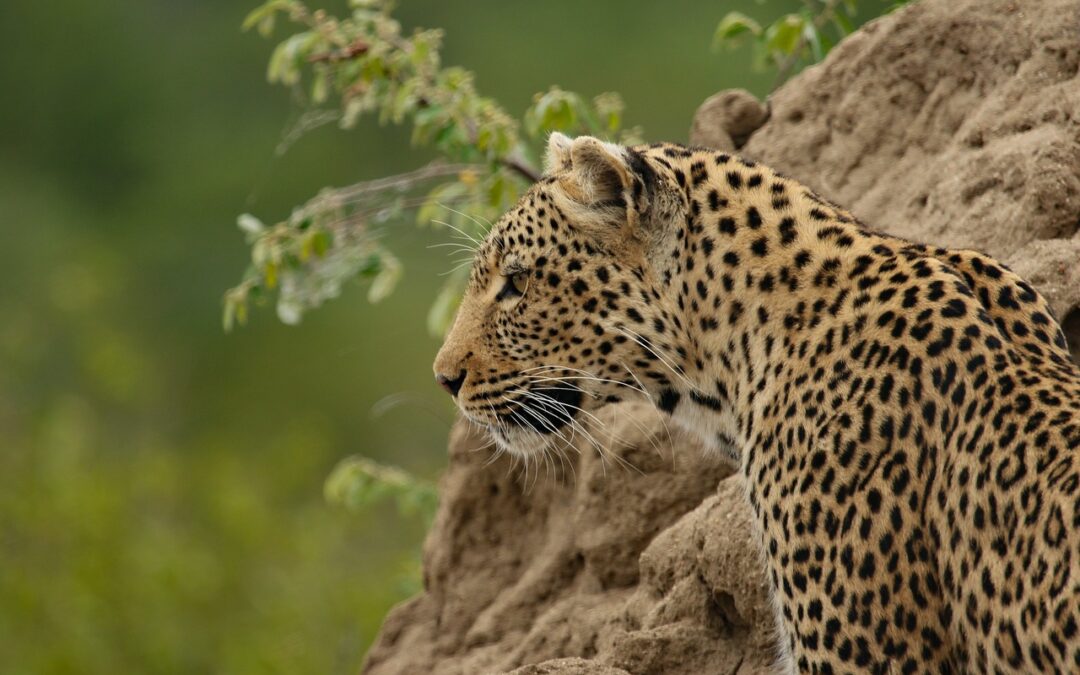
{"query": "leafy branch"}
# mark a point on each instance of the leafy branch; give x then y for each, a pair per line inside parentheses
(357, 483)
(364, 64)
(794, 40)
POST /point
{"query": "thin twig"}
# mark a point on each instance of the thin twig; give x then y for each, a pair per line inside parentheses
(402, 182)
(352, 51)
(521, 168)
(359, 47)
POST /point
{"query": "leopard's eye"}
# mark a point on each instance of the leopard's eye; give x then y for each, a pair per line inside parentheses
(514, 286)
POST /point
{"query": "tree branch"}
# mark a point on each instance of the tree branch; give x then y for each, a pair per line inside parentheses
(520, 168)
(352, 51)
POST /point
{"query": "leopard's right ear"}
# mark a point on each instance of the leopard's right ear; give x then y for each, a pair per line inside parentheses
(558, 153)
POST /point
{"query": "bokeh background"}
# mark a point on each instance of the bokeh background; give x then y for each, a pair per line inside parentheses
(161, 505)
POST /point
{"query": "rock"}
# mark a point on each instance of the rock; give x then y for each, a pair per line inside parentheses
(571, 666)
(952, 123)
(725, 120)
(702, 605)
(949, 121)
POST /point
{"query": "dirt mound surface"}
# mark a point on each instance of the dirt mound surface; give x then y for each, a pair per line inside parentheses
(951, 122)
(955, 122)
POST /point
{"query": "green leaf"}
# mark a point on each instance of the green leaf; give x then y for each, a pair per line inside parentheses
(442, 311)
(319, 88)
(358, 483)
(289, 56)
(554, 110)
(429, 116)
(843, 23)
(384, 282)
(229, 316)
(270, 274)
(371, 265)
(733, 26)
(782, 37)
(263, 16)
(289, 312)
(354, 107)
(249, 224)
(609, 108)
(810, 34)
(321, 242)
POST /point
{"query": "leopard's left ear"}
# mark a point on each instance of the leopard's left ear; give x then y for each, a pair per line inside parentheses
(602, 170)
(608, 182)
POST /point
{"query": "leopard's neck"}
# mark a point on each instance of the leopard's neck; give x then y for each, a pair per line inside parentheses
(757, 278)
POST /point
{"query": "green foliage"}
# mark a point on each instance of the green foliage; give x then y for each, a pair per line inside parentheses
(793, 40)
(358, 483)
(130, 564)
(363, 64)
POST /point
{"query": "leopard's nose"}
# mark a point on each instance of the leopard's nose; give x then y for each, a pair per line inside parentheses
(452, 385)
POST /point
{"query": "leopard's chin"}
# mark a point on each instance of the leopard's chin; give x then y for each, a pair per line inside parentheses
(523, 442)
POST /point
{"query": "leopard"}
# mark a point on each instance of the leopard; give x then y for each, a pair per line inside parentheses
(906, 417)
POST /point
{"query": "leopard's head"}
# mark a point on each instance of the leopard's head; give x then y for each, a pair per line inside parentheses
(564, 308)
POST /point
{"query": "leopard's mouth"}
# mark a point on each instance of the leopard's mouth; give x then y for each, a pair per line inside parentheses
(545, 410)
(532, 420)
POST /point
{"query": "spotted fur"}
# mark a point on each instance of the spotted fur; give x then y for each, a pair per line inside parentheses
(907, 418)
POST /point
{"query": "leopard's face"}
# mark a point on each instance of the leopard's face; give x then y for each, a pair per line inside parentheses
(559, 303)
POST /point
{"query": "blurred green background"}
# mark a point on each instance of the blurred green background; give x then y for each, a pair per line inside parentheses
(161, 504)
